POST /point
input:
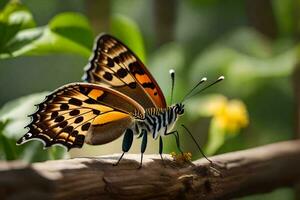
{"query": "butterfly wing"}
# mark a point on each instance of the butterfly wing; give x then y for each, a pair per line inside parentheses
(68, 114)
(116, 65)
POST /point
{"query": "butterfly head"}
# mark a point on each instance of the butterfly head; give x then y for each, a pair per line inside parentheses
(179, 108)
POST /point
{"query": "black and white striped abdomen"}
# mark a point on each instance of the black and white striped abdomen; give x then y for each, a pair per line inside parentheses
(158, 121)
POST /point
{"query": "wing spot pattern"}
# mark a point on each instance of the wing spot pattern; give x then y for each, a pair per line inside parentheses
(132, 85)
(64, 106)
(78, 120)
(90, 101)
(68, 129)
(54, 114)
(135, 69)
(75, 102)
(110, 62)
(74, 112)
(63, 124)
(148, 85)
(86, 126)
(122, 72)
(59, 119)
(101, 97)
(108, 76)
(96, 112)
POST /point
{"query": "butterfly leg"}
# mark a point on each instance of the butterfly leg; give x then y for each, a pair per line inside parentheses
(202, 152)
(143, 146)
(161, 146)
(127, 142)
(176, 135)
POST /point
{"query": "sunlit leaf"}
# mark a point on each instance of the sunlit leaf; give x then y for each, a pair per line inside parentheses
(16, 112)
(51, 42)
(216, 138)
(243, 69)
(13, 18)
(247, 41)
(34, 152)
(22, 43)
(3, 3)
(73, 26)
(284, 12)
(7, 151)
(66, 33)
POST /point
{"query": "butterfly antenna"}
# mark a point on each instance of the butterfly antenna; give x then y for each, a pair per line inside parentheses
(198, 146)
(172, 73)
(217, 81)
(200, 82)
(221, 78)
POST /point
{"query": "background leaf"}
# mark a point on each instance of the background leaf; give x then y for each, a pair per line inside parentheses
(216, 138)
(13, 18)
(73, 26)
(65, 33)
(7, 145)
(16, 111)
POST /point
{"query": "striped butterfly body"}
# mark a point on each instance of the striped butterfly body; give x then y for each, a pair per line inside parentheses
(160, 122)
(120, 98)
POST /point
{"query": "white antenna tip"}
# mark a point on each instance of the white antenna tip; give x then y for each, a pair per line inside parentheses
(221, 78)
(172, 71)
(203, 79)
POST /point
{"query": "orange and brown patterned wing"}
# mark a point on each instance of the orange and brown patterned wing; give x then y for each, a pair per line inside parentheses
(115, 65)
(66, 116)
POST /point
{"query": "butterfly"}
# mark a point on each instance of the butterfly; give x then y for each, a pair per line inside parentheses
(119, 97)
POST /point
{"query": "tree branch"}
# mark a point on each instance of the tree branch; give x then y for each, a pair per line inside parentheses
(245, 172)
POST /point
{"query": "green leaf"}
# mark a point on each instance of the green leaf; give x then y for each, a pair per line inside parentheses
(16, 112)
(35, 152)
(22, 43)
(284, 12)
(22, 17)
(51, 42)
(9, 9)
(216, 138)
(57, 152)
(247, 41)
(65, 33)
(244, 70)
(6, 146)
(3, 3)
(14, 18)
(73, 26)
(128, 32)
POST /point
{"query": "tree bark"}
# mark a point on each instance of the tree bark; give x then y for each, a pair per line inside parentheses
(261, 17)
(236, 174)
(98, 12)
(164, 13)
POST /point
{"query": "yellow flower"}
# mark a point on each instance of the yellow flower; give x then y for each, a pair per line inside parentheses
(181, 157)
(230, 115)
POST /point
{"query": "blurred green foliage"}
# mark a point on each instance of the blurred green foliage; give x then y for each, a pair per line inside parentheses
(65, 33)
(211, 38)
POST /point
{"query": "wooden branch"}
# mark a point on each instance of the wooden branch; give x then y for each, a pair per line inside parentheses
(245, 172)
